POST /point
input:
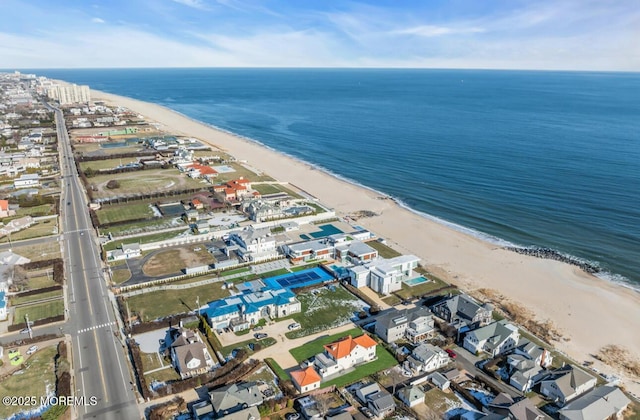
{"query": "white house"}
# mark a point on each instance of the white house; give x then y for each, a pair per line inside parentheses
(27, 181)
(411, 395)
(253, 244)
(494, 339)
(566, 383)
(306, 380)
(344, 354)
(125, 252)
(427, 358)
(383, 275)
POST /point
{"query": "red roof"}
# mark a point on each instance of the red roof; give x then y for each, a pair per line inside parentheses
(4, 205)
(195, 201)
(204, 169)
(305, 377)
(345, 346)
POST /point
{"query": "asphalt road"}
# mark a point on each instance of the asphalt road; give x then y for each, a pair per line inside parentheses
(27, 242)
(100, 361)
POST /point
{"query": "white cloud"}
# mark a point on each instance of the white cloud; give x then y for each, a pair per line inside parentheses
(429, 31)
(196, 4)
(97, 20)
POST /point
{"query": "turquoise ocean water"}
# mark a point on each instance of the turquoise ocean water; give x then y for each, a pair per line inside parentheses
(549, 159)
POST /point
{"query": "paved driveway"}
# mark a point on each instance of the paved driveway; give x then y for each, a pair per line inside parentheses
(150, 341)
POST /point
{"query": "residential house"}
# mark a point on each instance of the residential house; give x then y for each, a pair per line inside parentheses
(235, 398)
(523, 409)
(125, 252)
(383, 275)
(494, 339)
(197, 204)
(379, 401)
(26, 181)
(345, 354)
(540, 356)
(522, 372)
(306, 380)
(300, 252)
(241, 311)
(441, 381)
(566, 383)
(189, 354)
(411, 395)
(414, 324)
(5, 211)
(355, 252)
(426, 358)
(253, 245)
(463, 313)
(601, 403)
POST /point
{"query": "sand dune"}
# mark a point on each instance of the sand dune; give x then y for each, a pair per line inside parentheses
(589, 312)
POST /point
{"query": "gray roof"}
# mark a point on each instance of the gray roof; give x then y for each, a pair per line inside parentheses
(504, 405)
(425, 352)
(568, 378)
(250, 413)
(231, 396)
(343, 415)
(462, 306)
(395, 317)
(360, 248)
(366, 390)
(411, 393)
(381, 401)
(495, 333)
(597, 404)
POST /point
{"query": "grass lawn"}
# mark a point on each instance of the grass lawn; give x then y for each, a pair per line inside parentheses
(174, 260)
(40, 252)
(150, 361)
(146, 181)
(407, 292)
(323, 310)
(265, 342)
(39, 296)
(97, 165)
(145, 239)
(140, 227)
(392, 300)
(274, 273)
(121, 275)
(383, 250)
(120, 212)
(39, 311)
(41, 210)
(265, 189)
(167, 302)
(164, 375)
(37, 378)
(235, 271)
(277, 369)
(316, 346)
(40, 281)
(440, 402)
(384, 361)
(34, 231)
(241, 171)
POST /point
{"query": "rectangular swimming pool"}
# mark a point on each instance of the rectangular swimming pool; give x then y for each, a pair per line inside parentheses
(416, 280)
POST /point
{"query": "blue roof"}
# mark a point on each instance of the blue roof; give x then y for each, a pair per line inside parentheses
(2, 301)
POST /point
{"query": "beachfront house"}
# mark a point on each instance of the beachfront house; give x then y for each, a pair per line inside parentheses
(383, 275)
(301, 252)
(463, 313)
(252, 245)
(565, 384)
(605, 402)
(344, 354)
(413, 324)
(427, 358)
(494, 339)
(540, 356)
(189, 354)
(354, 252)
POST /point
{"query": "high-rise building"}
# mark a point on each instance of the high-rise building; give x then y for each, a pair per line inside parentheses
(69, 94)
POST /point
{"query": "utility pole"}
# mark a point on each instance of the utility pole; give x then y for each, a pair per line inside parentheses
(26, 317)
(198, 305)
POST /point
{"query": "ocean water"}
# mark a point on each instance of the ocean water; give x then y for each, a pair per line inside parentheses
(546, 159)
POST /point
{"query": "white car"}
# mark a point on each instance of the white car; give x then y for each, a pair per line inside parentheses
(294, 326)
(32, 350)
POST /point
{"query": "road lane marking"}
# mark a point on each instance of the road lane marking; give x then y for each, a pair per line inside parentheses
(104, 385)
(95, 327)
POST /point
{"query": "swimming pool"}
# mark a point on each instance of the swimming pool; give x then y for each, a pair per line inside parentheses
(416, 280)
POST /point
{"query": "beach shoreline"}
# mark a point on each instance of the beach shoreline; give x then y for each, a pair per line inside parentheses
(589, 312)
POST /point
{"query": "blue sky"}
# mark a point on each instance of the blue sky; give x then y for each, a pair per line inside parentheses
(502, 34)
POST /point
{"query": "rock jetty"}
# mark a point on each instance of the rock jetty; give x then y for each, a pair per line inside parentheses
(552, 254)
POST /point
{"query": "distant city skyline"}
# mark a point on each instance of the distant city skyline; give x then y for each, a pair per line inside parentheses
(499, 34)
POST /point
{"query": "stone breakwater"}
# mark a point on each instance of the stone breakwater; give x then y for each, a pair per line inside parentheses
(552, 254)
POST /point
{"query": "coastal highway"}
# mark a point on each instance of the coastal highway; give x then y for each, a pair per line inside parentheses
(99, 358)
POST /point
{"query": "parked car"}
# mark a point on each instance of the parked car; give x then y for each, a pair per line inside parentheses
(292, 416)
(260, 336)
(32, 350)
(294, 326)
(452, 354)
(257, 328)
(24, 331)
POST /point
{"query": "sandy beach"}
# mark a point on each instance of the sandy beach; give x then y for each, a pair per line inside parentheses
(589, 313)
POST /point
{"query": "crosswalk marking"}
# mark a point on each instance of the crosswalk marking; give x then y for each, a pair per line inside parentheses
(95, 327)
